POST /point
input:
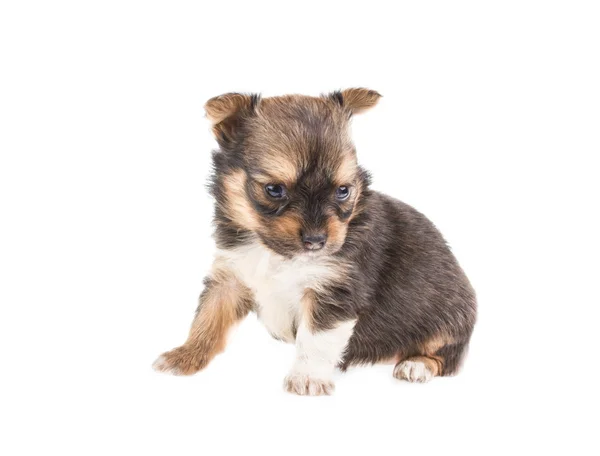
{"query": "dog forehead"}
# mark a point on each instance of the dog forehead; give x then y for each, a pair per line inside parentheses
(303, 107)
(292, 173)
(291, 134)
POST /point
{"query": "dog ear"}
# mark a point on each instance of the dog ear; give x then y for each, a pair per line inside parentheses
(225, 111)
(356, 100)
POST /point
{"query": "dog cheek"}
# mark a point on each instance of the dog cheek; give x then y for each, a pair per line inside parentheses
(336, 231)
(285, 230)
(237, 206)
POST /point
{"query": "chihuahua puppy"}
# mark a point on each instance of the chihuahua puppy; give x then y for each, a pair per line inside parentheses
(351, 276)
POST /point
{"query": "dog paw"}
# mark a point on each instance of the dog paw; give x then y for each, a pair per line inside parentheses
(413, 371)
(180, 361)
(308, 386)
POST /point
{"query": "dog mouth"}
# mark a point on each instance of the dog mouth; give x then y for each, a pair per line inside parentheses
(327, 250)
(314, 253)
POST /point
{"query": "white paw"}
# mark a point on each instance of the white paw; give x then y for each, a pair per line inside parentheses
(307, 386)
(181, 361)
(162, 365)
(413, 371)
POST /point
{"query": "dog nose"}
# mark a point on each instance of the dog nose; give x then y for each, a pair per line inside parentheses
(314, 241)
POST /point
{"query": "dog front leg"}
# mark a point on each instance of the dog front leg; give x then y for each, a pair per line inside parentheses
(224, 301)
(318, 352)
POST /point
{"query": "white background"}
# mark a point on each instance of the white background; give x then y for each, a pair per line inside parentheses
(489, 125)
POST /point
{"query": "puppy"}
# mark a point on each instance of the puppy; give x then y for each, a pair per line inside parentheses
(351, 276)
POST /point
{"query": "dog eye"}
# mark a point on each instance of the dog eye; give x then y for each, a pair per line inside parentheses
(276, 191)
(342, 192)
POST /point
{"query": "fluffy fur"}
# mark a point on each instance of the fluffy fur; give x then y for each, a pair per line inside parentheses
(380, 284)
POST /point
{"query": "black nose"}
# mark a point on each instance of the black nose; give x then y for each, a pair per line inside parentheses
(314, 241)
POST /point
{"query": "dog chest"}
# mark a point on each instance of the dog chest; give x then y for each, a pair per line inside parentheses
(277, 283)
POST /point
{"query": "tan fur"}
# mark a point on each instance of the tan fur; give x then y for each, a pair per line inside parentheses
(360, 100)
(222, 305)
(431, 346)
(220, 108)
(286, 226)
(336, 230)
(278, 171)
(238, 208)
(345, 173)
(307, 308)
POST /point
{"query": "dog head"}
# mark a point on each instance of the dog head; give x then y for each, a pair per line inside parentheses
(286, 170)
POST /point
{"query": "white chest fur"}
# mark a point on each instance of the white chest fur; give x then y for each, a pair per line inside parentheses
(277, 283)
